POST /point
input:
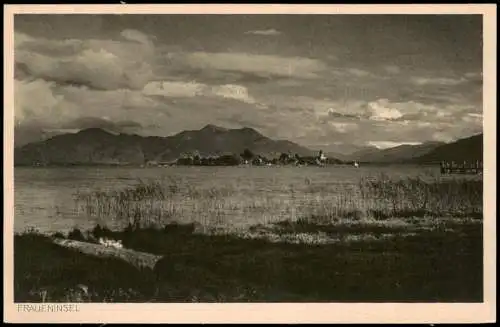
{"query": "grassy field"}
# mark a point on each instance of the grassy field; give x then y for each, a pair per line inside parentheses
(381, 240)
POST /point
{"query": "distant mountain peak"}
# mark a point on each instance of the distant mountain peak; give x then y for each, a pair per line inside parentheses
(93, 130)
(248, 130)
(214, 128)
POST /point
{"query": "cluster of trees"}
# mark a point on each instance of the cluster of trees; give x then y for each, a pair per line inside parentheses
(196, 160)
(248, 157)
(320, 159)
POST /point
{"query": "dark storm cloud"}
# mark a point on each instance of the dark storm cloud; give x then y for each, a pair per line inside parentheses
(334, 114)
(22, 71)
(98, 64)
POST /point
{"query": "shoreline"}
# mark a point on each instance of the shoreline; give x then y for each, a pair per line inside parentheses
(370, 164)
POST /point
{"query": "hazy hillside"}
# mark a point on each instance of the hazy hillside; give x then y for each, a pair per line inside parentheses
(398, 154)
(214, 140)
(90, 146)
(97, 146)
(346, 152)
(363, 153)
(466, 149)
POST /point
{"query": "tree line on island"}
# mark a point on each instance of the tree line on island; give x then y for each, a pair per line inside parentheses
(247, 157)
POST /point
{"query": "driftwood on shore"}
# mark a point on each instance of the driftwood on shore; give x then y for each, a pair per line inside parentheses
(135, 258)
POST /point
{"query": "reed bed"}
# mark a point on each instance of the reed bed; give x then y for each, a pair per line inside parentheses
(156, 203)
(416, 196)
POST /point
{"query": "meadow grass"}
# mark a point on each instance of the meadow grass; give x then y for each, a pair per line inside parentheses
(432, 266)
(46, 272)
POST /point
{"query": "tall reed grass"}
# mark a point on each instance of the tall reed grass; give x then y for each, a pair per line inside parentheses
(159, 203)
(415, 196)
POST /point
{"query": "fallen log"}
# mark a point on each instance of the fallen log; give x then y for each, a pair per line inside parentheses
(135, 258)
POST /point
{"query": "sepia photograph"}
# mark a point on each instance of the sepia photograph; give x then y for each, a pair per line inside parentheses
(247, 158)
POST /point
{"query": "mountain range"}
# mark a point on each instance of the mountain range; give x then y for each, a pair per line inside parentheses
(398, 154)
(467, 149)
(98, 146)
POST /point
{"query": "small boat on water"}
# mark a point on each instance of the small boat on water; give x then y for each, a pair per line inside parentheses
(356, 164)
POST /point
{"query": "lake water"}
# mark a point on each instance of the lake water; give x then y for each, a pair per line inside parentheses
(45, 197)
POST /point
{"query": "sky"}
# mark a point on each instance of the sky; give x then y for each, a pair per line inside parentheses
(331, 82)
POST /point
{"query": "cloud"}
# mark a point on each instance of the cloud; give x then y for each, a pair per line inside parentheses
(121, 126)
(334, 114)
(244, 119)
(382, 120)
(392, 69)
(50, 104)
(22, 38)
(44, 108)
(137, 36)
(414, 112)
(36, 101)
(380, 112)
(319, 108)
(180, 71)
(48, 47)
(268, 32)
(473, 118)
(163, 89)
(231, 91)
(437, 81)
(192, 89)
(114, 102)
(381, 109)
(99, 64)
(474, 75)
(187, 113)
(475, 115)
(36, 131)
(174, 89)
(390, 144)
(158, 110)
(332, 57)
(263, 65)
(358, 72)
(442, 136)
(343, 127)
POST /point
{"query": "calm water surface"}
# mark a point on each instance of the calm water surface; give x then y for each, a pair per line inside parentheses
(45, 197)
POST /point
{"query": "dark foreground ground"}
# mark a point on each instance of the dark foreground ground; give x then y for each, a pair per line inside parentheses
(439, 265)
